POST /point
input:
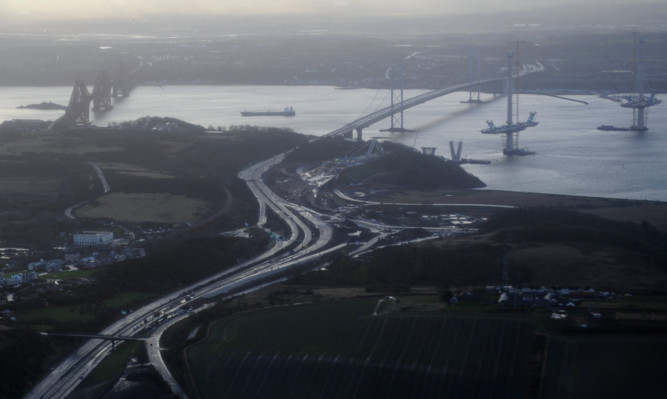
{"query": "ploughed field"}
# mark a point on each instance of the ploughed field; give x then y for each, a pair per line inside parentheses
(342, 350)
(606, 366)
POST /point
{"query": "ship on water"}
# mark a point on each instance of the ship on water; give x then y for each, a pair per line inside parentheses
(288, 111)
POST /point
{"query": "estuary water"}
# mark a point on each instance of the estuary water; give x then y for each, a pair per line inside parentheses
(572, 156)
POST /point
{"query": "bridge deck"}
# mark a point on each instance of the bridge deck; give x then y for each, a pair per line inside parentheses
(383, 113)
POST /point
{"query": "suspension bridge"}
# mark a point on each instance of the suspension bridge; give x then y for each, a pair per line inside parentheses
(365, 121)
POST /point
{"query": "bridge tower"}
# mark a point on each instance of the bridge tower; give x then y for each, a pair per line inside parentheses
(639, 102)
(395, 74)
(120, 82)
(396, 98)
(102, 92)
(510, 130)
(474, 74)
(78, 110)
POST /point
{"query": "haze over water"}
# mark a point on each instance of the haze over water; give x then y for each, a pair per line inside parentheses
(573, 157)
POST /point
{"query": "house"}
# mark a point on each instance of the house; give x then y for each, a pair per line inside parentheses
(42, 265)
(72, 258)
(21, 278)
(527, 299)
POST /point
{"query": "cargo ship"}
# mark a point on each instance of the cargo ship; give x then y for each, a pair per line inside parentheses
(288, 111)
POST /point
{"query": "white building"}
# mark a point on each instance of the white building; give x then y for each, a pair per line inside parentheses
(93, 238)
(18, 279)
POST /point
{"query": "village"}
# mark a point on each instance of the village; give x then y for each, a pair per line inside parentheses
(24, 280)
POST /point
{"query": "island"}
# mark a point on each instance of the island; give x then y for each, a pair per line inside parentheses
(44, 105)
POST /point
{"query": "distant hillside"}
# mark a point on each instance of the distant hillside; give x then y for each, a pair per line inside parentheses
(404, 166)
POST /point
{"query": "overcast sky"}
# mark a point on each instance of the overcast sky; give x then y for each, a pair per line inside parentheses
(62, 9)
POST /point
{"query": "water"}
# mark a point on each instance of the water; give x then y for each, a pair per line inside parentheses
(573, 157)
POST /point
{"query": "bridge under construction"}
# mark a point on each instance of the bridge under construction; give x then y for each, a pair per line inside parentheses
(638, 102)
(511, 129)
(383, 113)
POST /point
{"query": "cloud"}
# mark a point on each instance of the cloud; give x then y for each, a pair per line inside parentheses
(130, 8)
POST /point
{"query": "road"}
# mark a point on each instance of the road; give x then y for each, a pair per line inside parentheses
(308, 240)
(69, 212)
(100, 175)
(350, 199)
(302, 246)
(386, 112)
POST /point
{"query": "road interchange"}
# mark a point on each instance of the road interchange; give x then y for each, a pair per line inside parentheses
(305, 244)
(310, 238)
(270, 265)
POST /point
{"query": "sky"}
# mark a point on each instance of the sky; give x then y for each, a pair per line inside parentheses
(67, 9)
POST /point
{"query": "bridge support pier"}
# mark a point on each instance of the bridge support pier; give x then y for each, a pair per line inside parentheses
(359, 132)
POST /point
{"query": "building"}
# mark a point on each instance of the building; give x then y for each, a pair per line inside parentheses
(93, 238)
(18, 279)
(73, 258)
(54, 265)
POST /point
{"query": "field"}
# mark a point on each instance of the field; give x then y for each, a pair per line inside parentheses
(622, 210)
(612, 366)
(66, 275)
(81, 312)
(43, 144)
(20, 185)
(134, 170)
(339, 350)
(145, 207)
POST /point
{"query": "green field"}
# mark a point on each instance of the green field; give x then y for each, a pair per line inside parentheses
(81, 312)
(66, 275)
(338, 350)
(608, 366)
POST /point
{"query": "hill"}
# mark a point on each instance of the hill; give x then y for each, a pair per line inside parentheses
(406, 167)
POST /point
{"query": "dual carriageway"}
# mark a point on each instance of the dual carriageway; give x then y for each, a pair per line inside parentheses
(305, 244)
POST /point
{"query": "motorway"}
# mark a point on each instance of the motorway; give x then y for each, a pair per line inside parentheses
(309, 236)
(305, 244)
